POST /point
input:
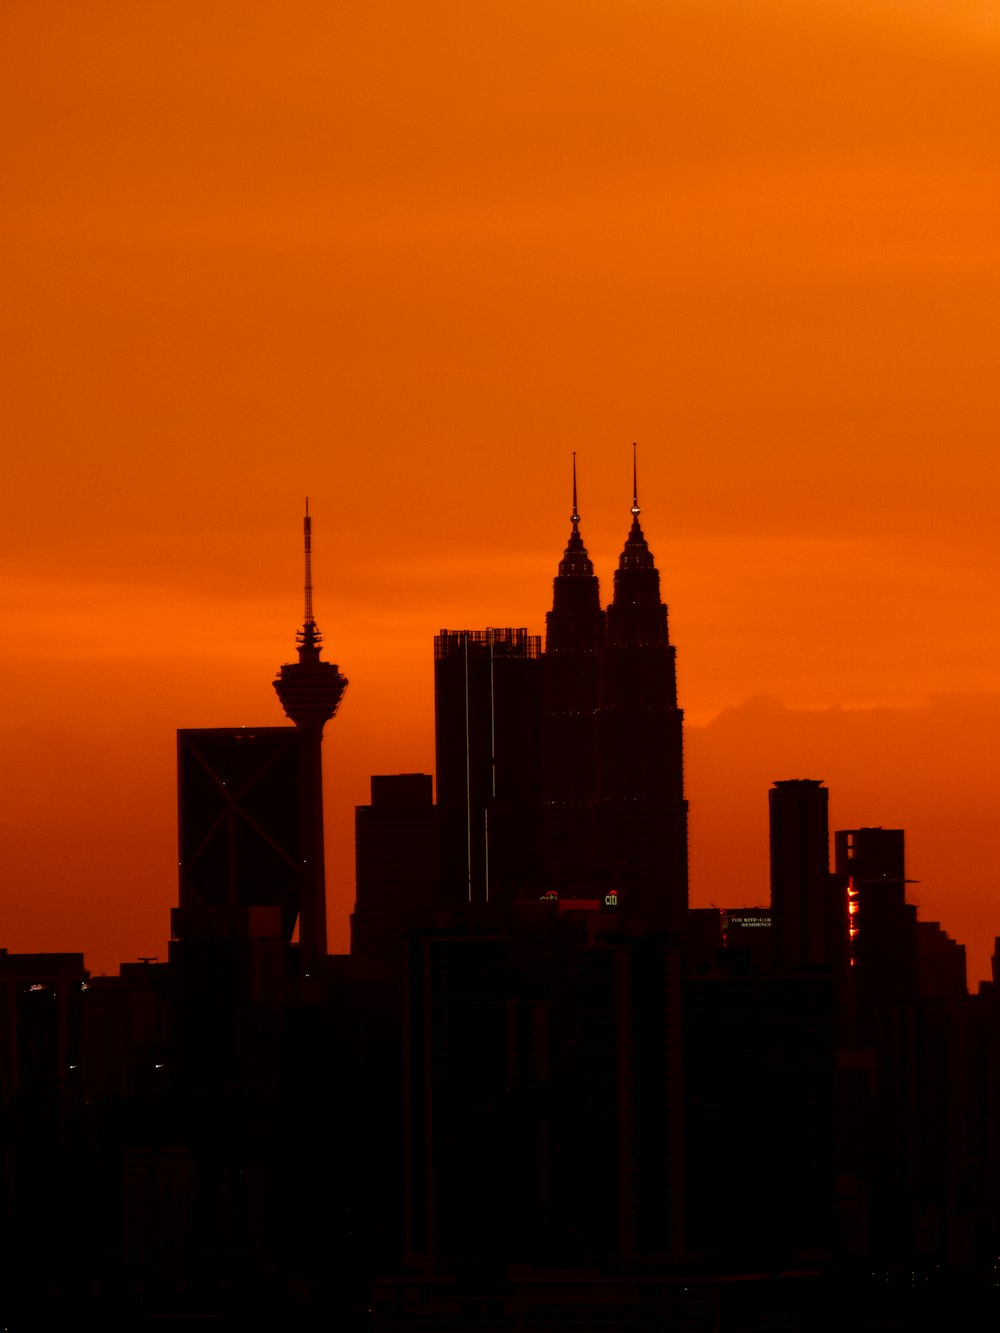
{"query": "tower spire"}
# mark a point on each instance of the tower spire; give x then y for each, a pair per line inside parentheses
(636, 555)
(575, 562)
(307, 534)
(309, 638)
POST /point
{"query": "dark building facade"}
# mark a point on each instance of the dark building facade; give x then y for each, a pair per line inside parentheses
(759, 1116)
(883, 1023)
(870, 863)
(809, 908)
(41, 1003)
(396, 861)
(239, 828)
(543, 1096)
(487, 708)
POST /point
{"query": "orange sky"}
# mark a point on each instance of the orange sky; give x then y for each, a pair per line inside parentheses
(405, 258)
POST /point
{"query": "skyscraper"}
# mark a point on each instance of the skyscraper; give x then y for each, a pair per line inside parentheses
(641, 810)
(239, 830)
(888, 1146)
(871, 865)
(310, 691)
(809, 911)
(571, 668)
(396, 851)
(487, 709)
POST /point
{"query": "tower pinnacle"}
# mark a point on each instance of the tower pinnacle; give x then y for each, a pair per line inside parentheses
(576, 563)
(307, 534)
(309, 637)
(636, 579)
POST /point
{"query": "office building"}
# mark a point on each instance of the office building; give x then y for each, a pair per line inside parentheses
(809, 910)
(871, 863)
(396, 859)
(487, 708)
(239, 829)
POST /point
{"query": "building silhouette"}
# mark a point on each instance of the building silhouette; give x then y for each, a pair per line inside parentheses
(539, 1093)
(571, 680)
(747, 937)
(883, 1026)
(310, 691)
(809, 908)
(41, 1007)
(759, 1150)
(563, 771)
(240, 831)
(870, 863)
(487, 711)
(641, 810)
(396, 865)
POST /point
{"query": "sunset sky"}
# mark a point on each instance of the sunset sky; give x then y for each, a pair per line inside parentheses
(404, 259)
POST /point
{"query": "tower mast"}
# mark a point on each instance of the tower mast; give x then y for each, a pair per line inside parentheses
(307, 536)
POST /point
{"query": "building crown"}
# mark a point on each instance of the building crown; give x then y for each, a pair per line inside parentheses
(576, 562)
(636, 554)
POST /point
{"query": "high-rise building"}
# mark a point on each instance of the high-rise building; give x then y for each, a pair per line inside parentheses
(809, 912)
(310, 691)
(543, 1096)
(759, 1128)
(872, 856)
(886, 1143)
(239, 830)
(42, 996)
(571, 668)
(641, 810)
(487, 704)
(747, 937)
(871, 864)
(396, 849)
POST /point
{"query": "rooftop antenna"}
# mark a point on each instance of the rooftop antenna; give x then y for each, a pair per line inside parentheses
(575, 516)
(635, 486)
(307, 532)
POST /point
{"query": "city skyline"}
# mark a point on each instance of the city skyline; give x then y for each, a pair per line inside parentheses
(721, 762)
(277, 261)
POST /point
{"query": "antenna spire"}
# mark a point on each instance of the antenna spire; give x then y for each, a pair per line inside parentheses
(575, 516)
(635, 485)
(307, 533)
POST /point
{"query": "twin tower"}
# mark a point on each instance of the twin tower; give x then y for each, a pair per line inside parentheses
(560, 773)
